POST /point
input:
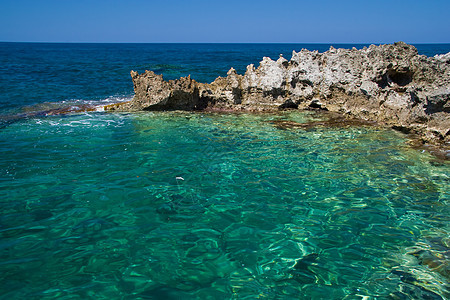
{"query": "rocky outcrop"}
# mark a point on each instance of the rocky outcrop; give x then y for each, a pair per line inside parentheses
(388, 84)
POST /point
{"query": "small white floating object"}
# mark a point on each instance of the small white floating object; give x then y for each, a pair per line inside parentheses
(179, 178)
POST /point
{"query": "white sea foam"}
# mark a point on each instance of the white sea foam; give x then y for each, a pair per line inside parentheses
(69, 106)
(79, 107)
(79, 103)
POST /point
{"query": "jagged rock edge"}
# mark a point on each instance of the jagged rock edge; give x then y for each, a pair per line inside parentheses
(389, 84)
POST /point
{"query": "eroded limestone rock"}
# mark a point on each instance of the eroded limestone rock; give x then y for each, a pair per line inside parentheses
(389, 84)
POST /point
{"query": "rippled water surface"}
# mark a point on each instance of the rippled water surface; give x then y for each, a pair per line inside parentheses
(218, 206)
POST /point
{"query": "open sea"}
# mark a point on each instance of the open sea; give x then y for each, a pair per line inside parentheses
(196, 205)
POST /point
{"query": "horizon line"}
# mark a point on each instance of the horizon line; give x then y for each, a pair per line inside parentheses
(243, 43)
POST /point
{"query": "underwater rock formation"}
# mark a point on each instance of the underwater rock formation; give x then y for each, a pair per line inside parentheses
(389, 84)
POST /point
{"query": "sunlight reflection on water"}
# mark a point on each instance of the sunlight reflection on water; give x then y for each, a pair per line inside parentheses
(95, 207)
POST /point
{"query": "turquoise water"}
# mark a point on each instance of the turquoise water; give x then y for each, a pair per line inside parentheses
(218, 206)
(202, 205)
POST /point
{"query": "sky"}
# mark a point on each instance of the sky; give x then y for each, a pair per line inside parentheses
(226, 21)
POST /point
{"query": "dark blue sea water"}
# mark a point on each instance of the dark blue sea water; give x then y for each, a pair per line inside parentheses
(158, 205)
(32, 73)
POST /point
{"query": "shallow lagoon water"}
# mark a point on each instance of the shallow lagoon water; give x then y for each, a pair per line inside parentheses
(218, 206)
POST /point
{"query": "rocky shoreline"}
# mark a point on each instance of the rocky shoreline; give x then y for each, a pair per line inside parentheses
(389, 84)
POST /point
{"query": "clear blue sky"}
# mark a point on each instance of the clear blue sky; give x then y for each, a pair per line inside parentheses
(241, 21)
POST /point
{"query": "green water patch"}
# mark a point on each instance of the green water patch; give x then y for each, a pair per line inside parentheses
(219, 206)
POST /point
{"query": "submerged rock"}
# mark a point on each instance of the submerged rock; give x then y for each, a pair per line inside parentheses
(389, 84)
(302, 272)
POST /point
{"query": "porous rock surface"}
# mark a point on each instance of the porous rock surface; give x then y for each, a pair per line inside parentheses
(388, 84)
